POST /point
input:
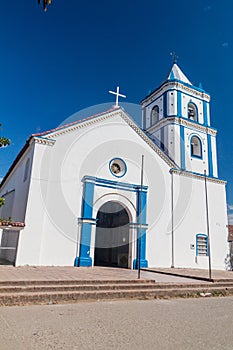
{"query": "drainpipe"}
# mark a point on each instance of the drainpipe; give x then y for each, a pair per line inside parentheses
(172, 215)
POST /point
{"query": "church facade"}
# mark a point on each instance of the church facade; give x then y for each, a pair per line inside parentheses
(79, 188)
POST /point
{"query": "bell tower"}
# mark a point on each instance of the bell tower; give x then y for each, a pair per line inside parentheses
(176, 116)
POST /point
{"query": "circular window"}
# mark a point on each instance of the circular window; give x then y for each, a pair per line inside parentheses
(117, 167)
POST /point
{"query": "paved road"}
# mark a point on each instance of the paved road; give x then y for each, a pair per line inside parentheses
(180, 324)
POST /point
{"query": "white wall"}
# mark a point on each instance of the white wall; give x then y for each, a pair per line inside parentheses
(15, 182)
(51, 234)
(56, 194)
(172, 102)
(185, 99)
(190, 219)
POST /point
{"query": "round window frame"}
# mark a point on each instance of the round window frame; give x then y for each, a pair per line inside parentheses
(122, 163)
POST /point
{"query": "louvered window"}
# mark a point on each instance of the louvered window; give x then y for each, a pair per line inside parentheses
(201, 245)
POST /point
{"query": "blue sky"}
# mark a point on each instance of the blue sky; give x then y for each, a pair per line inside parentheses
(56, 63)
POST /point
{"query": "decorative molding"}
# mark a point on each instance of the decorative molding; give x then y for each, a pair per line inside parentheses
(178, 85)
(135, 225)
(44, 141)
(114, 184)
(197, 176)
(91, 221)
(181, 121)
(82, 124)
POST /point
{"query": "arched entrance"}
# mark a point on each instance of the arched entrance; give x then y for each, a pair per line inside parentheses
(112, 236)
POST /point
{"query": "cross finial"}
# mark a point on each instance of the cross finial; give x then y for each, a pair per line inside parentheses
(117, 93)
(174, 56)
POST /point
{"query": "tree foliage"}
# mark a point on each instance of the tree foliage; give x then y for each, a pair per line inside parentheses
(3, 140)
(3, 143)
(45, 3)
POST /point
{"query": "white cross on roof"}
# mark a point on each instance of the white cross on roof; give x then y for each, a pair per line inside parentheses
(117, 93)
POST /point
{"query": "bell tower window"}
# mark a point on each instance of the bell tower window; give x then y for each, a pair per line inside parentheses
(155, 115)
(196, 147)
(192, 112)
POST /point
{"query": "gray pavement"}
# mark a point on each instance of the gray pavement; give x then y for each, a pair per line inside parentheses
(195, 273)
(182, 324)
(52, 273)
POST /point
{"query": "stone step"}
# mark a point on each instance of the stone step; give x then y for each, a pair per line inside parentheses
(73, 287)
(100, 285)
(26, 298)
(72, 282)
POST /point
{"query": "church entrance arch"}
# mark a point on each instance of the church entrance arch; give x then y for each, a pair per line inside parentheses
(112, 236)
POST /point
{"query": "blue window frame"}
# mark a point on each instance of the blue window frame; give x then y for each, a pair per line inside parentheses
(196, 147)
(202, 245)
(192, 112)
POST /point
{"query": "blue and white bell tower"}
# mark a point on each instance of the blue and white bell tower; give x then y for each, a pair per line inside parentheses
(177, 117)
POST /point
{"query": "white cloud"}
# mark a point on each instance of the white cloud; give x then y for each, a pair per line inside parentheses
(225, 44)
(230, 219)
(230, 213)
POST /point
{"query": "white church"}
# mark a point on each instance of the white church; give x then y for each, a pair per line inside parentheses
(102, 191)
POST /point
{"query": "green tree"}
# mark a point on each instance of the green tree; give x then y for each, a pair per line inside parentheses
(3, 143)
(45, 3)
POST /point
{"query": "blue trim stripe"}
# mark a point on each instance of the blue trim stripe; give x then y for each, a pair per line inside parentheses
(84, 258)
(90, 182)
(210, 156)
(112, 183)
(182, 148)
(141, 233)
(179, 111)
(165, 104)
(191, 148)
(205, 113)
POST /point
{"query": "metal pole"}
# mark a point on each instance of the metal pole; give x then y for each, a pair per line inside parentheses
(140, 221)
(172, 212)
(208, 226)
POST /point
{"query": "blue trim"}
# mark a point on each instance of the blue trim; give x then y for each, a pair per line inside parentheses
(84, 258)
(113, 183)
(115, 159)
(210, 156)
(207, 245)
(141, 234)
(162, 138)
(191, 154)
(171, 76)
(90, 182)
(182, 148)
(179, 103)
(165, 104)
(205, 114)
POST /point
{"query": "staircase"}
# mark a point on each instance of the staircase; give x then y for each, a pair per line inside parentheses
(69, 291)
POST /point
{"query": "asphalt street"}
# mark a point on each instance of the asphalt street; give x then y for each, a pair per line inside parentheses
(203, 323)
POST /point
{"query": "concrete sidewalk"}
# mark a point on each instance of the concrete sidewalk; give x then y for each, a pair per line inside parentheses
(69, 273)
(197, 274)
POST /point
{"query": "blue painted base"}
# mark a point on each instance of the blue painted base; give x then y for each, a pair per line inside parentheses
(143, 264)
(83, 262)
